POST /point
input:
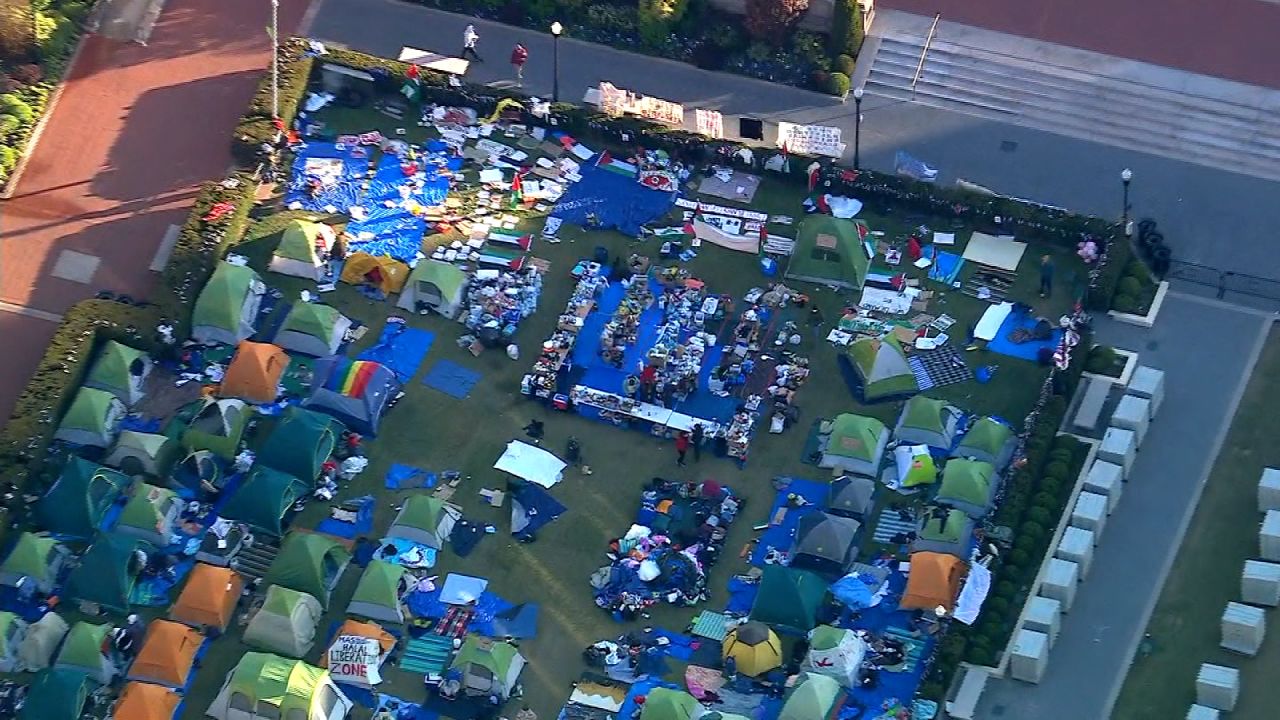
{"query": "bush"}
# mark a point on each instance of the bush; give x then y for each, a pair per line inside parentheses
(1040, 514)
(1019, 558)
(1045, 500)
(772, 20)
(1102, 360)
(838, 84)
(1129, 285)
(811, 50)
(8, 124)
(724, 37)
(1053, 487)
(75, 11)
(8, 158)
(28, 74)
(1056, 470)
(1032, 529)
(844, 64)
(11, 104)
(846, 29)
(622, 19)
(1124, 304)
(1006, 590)
(656, 18)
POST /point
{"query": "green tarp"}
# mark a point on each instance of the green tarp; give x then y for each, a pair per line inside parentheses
(308, 563)
(57, 695)
(30, 558)
(263, 499)
(789, 599)
(77, 502)
(111, 370)
(300, 443)
(829, 250)
(882, 367)
(107, 572)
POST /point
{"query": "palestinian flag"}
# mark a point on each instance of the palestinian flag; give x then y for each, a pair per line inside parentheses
(863, 230)
(524, 242)
(605, 161)
(502, 258)
(517, 189)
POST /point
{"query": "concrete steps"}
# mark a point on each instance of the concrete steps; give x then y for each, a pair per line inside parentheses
(1106, 108)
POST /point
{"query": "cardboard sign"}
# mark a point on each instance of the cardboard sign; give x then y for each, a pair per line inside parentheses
(354, 660)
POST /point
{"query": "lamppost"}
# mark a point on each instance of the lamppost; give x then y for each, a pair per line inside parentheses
(556, 29)
(1126, 176)
(275, 59)
(857, 128)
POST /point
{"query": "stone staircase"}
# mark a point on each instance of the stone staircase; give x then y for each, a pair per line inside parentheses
(254, 561)
(1219, 124)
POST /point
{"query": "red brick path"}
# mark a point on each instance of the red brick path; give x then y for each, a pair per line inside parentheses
(135, 133)
(1232, 39)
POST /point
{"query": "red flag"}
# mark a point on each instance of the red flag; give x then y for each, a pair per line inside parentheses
(863, 231)
(412, 72)
(604, 159)
(813, 178)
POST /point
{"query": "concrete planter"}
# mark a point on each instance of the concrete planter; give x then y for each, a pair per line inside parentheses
(1130, 364)
(1149, 319)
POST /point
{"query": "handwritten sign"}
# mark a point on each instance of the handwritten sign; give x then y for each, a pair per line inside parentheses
(710, 123)
(617, 102)
(810, 139)
(354, 660)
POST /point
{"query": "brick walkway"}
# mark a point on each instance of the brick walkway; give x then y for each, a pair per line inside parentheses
(1230, 39)
(137, 129)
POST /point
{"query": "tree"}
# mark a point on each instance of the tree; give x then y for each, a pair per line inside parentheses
(772, 20)
(658, 16)
(17, 30)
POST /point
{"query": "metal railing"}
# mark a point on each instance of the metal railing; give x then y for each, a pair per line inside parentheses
(1224, 281)
(924, 53)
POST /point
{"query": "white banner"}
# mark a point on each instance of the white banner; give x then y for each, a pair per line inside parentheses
(810, 139)
(354, 660)
(616, 101)
(710, 123)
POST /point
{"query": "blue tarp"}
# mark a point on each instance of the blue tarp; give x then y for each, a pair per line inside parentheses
(518, 621)
(781, 536)
(853, 591)
(618, 201)
(342, 194)
(401, 348)
(407, 477)
(362, 526)
(533, 506)
(428, 605)
(1025, 350)
(887, 618)
(451, 379)
(742, 595)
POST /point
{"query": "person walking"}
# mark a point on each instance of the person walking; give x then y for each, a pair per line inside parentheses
(519, 56)
(695, 439)
(682, 447)
(469, 38)
(1046, 276)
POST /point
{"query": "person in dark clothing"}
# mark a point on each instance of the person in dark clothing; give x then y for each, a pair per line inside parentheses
(695, 439)
(682, 447)
(534, 429)
(1046, 276)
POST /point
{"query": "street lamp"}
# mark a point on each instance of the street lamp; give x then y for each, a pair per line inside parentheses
(556, 29)
(857, 128)
(1126, 176)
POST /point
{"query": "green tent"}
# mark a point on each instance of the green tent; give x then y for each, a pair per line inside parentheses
(944, 530)
(57, 695)
(35, 557)
(136, 453)
(717, 715)
(263, 500)
(13, 632)
(78, 501)
(263, 685)
(377, 597)
(313, 329)
(813, 697)
(789, 599)
(151, 514)
(830, 251)
(82, 651)
(882, 369)
(119, 370)
(424, 520)
(297, 254)
(854, 444)
(988, 440)
(967, 485)
(308, 563)
(93, 418)
(488, 666)
(667, 704)
(300, 443)
(928, 421)
(434, 285)
(286, 623)
(107, 572)
(215, 425)
(228, 305)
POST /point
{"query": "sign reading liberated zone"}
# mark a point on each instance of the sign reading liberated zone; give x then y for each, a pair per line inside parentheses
(354, 660)
(616, 101)
(810, 139)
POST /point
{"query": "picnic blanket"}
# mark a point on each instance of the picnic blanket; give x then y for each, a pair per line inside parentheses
(451, 379)
(938, 367)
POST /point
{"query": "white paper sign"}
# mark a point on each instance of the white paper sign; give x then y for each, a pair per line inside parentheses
(810, 139)
(354, 660)
(710, 123)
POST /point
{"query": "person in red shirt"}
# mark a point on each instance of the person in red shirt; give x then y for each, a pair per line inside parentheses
(519, 56)
(682, 447)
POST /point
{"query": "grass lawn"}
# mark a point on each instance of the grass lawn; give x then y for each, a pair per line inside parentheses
(1184, 630)
(431, 430)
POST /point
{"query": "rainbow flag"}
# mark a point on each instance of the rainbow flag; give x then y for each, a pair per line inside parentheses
(351, 378)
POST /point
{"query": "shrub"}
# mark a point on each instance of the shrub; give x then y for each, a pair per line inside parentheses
(1060, 454)
(1124, 303)
(75, 11)
(1040, 514)
(723, 36)
(844, 64)
(1019, 558)
(846, 29)
(838, 84)
(1051, 486)
(1066, 443)
(8, 158)
(1056, 470)
(1102, 360)
(981, 655)
(1139, 271)
(1032, 529)
(771, 20)
(811, 50)
(28, 74)
(1006, 590)
(1129, 285)
(656, 18)
(619, 18)
(11, 104)
(8, 124)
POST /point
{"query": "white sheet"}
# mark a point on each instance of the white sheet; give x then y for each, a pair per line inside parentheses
(462, 589)
(531, 463)
(843, 207)
(973, 594)
(991, 321)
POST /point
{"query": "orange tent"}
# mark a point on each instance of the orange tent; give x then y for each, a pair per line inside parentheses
(144, 701)
(168, 654)
(355, 628)
(934, 581)
(254, 372)
(209, 598)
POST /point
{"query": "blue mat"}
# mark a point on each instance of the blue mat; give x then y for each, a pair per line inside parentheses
(533, 497)
(680, 646)
(946, 266)
(407, 477)
(618, 201)
(518, 621)
(642, 687)
(1026, 350)
(428, 605)
(742, 595)
(451, 379)
(362, 526)
(402, 547)
(887, 618)
(403, 709)
(782, 535)
(400, 348)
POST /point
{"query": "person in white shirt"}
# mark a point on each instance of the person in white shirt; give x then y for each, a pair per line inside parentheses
(469, 38)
